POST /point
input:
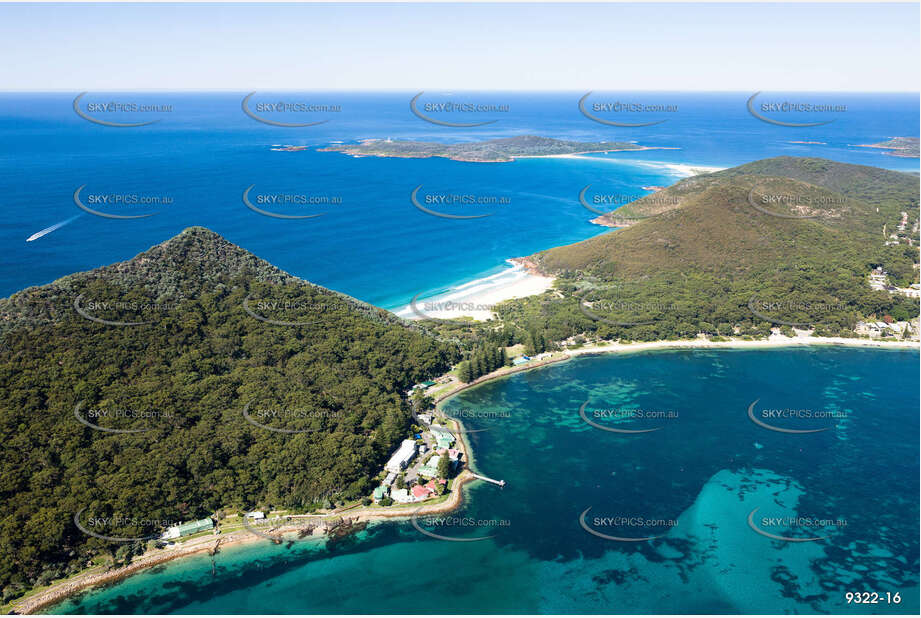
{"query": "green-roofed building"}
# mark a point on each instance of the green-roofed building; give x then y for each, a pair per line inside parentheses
(380, 492)
(430, 468)
(189, 527)
(443, 437)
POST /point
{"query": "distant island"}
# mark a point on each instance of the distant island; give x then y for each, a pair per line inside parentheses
(489, 151)
(906, 147)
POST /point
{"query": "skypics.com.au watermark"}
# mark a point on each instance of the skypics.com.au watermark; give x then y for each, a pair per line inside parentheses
(296, 312)
(434, 203)
(271, 418)
(783, 311)
(450, 528)
(105, 526)
(604, 203)
(134, 313)
(623, 312)
(298, 205)
(446, 309)
(788, 420)
(281, 112)
(794, 529)
(781, 112)
(113, 205)
(608, 419)
(625, 528)
(803, 205)
(119, 113)
(616, 113)
(149, 419)
(447, 112)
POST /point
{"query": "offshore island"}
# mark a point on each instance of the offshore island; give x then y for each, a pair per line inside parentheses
(490, 151)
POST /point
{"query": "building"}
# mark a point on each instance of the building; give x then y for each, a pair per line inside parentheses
(401, 457)
(380, 492)
(191, 527)
(430, 468)
(390, 478)
(521, 360)
(426, 418)
(443, 437)
(255, 515)
(421, 492)
(403, 496)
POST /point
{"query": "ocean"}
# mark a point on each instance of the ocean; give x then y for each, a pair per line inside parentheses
(689, 487)
(370, 242)
(693, 484)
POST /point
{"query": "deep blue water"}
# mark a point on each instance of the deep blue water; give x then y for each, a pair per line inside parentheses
(374, 245)
(706, 469)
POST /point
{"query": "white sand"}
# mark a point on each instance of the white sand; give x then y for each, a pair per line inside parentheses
(477, 298)
(774, 341)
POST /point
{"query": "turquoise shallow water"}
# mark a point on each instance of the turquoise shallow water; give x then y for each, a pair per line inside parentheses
(693, 482)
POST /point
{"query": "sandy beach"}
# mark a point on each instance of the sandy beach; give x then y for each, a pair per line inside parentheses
(477, 299)
(774, 341)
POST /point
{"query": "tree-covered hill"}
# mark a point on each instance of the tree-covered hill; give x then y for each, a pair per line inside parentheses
(191, 378)
(797, 236)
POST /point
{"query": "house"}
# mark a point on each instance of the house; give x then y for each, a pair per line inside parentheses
(521, 360)
(426, 418)
(430, 468)
(432, 483)
(421, 492)
(255, 515)
(403, 496)
(443, 437)
(401, 457)
(380, 492)
(389, 479)
(188, 528)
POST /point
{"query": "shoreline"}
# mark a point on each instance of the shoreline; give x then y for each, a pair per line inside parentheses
(350, 518)
(477, 298)
(571, 155)
(66, 588)
(773, 342)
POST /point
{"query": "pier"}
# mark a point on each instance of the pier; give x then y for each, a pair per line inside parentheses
(488, 480)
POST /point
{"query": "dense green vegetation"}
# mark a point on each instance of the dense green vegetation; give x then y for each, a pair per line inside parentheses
(184, 379)
(494, 150)
(698, 263)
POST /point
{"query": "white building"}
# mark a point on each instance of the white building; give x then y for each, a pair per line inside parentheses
(401, 458)
(255, 515)
(403, 496)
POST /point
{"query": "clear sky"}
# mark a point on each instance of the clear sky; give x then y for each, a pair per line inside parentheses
(741, 47)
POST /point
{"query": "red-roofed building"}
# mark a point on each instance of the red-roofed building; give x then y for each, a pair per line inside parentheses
(431, 484)
(421, 492)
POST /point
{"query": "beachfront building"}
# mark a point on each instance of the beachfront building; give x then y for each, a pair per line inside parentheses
(401, 457)
(403, 496)
(380, 492)
(443, 437)
(390, 478)
(430, 468)
(255, 515)
(421, 492)
(191, 527)
(521, 360)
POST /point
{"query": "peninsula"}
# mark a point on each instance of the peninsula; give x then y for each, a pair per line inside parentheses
(489, 151)
(906, 147)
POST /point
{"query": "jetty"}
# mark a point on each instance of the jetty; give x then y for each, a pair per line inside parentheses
(488, 480)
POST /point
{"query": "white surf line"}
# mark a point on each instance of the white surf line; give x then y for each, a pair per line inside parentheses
(52, 228)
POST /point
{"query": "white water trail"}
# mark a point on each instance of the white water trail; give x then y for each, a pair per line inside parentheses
(52, 228)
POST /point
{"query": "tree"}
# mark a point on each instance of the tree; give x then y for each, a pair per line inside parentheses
(465, 372)
(400, 482)
(444, 466)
